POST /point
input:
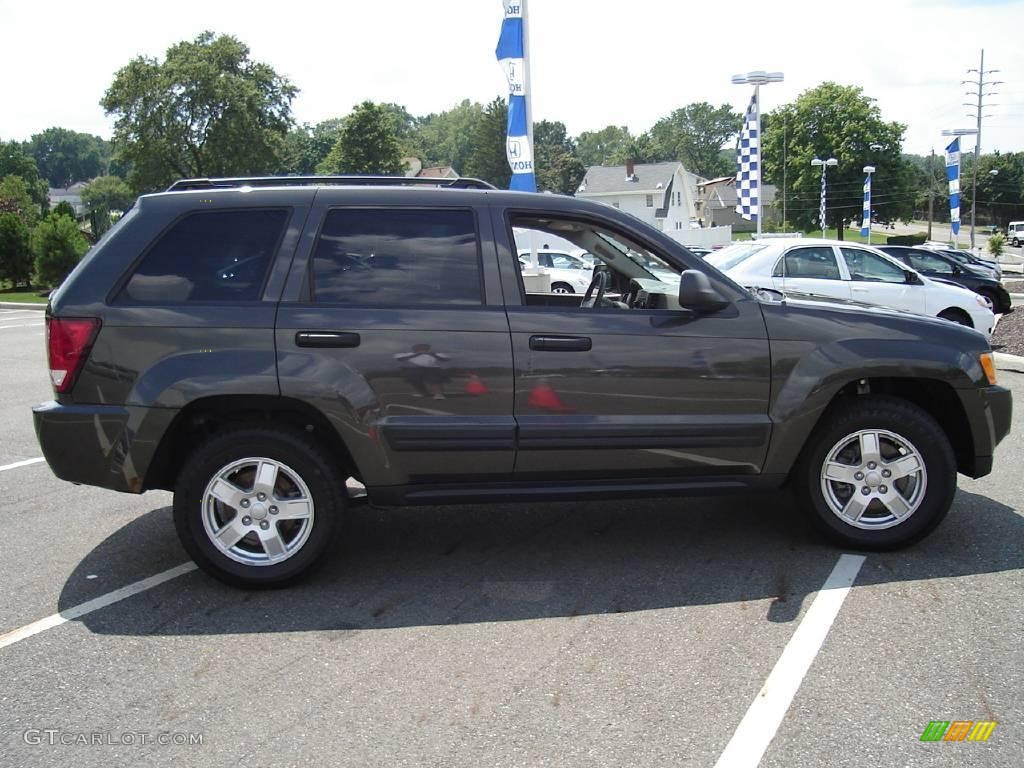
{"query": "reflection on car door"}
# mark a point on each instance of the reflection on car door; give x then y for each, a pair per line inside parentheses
(605, 393)
(876, 280)
(811, 269)
(400, 338)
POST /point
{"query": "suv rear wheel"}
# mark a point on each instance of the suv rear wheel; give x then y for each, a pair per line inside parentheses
(257, 507)
(878, 473)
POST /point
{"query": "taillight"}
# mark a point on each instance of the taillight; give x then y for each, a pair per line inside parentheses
(68, 341)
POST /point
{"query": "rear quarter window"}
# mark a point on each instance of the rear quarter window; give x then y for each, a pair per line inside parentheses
(211, 256)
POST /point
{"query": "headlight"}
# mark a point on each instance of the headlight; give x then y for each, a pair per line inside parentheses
(981, 301)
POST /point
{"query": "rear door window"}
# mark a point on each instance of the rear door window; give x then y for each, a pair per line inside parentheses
(215, 256)
(397, 257)
(817, 262)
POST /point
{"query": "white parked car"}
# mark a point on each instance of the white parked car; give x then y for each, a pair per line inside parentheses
(569, 272)
(851, 271)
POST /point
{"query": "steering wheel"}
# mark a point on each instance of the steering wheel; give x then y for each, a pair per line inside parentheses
(599, 283)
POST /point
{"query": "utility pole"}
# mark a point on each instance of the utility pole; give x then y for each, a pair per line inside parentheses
(981, 83)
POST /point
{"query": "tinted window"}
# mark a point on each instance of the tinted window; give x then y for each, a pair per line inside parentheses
(817, 262)
(871, 267)
(216, 256)
(397, 257)
(929, 262)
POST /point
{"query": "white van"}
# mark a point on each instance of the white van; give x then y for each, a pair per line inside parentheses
(1015, 233)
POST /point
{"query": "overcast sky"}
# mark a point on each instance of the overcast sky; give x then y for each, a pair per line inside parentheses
(594, 62)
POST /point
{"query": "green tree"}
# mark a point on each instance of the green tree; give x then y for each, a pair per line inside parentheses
(64, 157)
(64, 208)
(306, 146)
(103, 196)
(1000, 188)
(446, 138)
(694, 135)
(206, 110)
(14, 162)
(58, 247)
(366, 144)
(488, 160)
(837, 121)
(558, 168)
(15, 198)
(15, 253)
(608, 146)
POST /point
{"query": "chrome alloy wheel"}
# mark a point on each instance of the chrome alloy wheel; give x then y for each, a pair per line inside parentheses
(558, 288)
(873, 479)
(257, 511)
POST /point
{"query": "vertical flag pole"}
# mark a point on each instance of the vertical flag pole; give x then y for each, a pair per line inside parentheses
(757, 123)
(526, 74)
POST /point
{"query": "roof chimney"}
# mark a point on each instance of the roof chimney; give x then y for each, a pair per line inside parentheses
(629, 171)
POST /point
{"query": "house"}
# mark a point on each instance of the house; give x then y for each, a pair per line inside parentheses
(661, 194)
(716, 204)
(414, 168)
(71, 195)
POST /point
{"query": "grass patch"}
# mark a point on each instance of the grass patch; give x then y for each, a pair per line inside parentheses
(849, 235)
(26, 297)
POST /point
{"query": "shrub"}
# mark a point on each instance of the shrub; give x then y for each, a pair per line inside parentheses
(64, 208)
(995, 244)
(58, 246)
(919, 239)
(15, 253)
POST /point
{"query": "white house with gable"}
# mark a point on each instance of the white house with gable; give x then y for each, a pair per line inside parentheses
(662, 194)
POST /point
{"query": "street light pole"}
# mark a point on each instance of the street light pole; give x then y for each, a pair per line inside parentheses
(825, 165)
(757, 79)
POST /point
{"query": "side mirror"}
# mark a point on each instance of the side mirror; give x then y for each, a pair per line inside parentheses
(697, 293)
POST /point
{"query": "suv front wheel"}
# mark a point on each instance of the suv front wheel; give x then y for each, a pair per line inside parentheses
(257, 507)
(878, 473)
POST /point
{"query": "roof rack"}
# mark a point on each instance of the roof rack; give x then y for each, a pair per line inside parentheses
(345, 181)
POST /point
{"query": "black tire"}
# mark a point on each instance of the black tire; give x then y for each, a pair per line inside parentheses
(299, 454)
(956, 315)
(1016, 243)
(562, 288)
(909, 423)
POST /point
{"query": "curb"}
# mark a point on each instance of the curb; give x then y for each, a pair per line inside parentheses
(1003, 360)
(22, 305)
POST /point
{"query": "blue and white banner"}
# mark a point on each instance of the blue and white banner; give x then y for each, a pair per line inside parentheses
(511, 53)
(953, 175)
(865, 225)
(748, 165)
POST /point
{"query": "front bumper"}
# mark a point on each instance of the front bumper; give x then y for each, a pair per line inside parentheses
(989, 411)
(103, 445)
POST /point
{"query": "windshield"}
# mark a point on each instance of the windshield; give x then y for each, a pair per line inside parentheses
(727, 258)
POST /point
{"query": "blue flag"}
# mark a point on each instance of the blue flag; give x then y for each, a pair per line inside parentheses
(953, 175)
(865, 225)
(511, 53)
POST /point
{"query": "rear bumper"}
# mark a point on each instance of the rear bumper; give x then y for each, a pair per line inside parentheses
(103, 445)
(989, 411)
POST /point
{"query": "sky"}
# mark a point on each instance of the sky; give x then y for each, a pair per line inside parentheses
(594, 62)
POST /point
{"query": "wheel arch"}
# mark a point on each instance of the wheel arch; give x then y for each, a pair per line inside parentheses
(206, 416)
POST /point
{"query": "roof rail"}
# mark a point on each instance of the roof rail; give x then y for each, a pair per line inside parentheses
(345, 181)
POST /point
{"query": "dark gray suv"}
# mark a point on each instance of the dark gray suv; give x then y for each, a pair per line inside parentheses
(251, 344)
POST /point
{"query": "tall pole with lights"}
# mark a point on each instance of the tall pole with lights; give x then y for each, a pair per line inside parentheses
(757, 79)
(825, 165)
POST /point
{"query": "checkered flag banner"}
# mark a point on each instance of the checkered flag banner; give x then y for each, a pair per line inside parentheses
(821, 210)
(953, 175)
(865, 225)
(748, 165)
(511, 53)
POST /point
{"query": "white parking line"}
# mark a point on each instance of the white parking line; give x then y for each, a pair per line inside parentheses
(76, 612)
(758, 727)
(24, 463)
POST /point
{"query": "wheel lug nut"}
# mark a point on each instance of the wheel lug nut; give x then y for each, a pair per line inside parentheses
(858, 476)
(246, 520)
(261, 496)
(264, 525)
(273, 510)
(883, 488)
(886, 473)
(865, 490)
(245, 503)
(871, 465)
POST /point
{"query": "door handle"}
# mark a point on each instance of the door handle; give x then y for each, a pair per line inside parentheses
(560, 343)
(859, 290)
(326, 339)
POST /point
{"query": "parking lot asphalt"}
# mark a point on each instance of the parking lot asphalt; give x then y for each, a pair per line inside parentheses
(632, 633)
